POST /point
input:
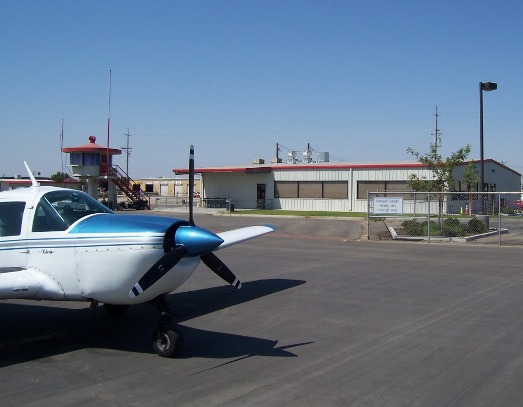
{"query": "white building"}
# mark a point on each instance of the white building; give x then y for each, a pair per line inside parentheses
(326, 186)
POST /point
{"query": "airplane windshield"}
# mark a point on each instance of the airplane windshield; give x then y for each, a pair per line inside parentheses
(57, 210)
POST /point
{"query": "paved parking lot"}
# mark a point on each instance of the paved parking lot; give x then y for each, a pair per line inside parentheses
(322, 319)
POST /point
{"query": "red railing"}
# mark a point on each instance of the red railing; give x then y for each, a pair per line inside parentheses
(140, 199)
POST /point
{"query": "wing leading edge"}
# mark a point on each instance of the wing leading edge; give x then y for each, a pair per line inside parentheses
(232, 237)
(28, 284)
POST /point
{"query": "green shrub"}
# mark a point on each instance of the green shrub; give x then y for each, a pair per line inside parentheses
(434, 228)
(475, 226)
(414, 228)
(452, 227)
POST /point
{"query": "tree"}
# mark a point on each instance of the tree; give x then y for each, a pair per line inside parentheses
(442, 170)
(60, 177)
(471, 180)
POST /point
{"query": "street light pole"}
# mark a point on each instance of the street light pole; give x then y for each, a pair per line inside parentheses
(487, 86)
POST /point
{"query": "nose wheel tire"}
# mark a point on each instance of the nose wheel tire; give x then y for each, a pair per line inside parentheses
(167, 342)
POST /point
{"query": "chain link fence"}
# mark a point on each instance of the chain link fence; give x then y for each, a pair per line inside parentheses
(182, 202)
(477, 217)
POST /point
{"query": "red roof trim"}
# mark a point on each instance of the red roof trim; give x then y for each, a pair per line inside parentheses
(331, 166)
(297, 167)
(91, 148)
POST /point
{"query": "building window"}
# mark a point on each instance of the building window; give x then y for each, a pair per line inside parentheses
(369, 186)
(311, 189)
(76, 159)
(388, 186)
(91, 159)
(336, 190)
(285, 189)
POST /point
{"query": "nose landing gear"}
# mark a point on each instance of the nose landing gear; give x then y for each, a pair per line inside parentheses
(167, 340)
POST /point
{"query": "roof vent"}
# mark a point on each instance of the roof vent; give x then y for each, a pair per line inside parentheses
(323, 157)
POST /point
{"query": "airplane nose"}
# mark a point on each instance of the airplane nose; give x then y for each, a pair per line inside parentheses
(196, 240)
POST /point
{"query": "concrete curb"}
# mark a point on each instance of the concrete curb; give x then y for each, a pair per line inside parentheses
(458, 239)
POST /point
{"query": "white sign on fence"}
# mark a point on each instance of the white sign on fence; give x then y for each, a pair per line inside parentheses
(388, 205)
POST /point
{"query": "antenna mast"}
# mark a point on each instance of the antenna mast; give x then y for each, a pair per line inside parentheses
(62, 147)
(127, 152)
(437, 133)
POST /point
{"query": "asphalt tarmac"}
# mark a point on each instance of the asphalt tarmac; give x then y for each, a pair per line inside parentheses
(322, 320)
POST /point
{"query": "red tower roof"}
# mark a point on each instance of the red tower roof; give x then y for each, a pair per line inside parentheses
(91, 147)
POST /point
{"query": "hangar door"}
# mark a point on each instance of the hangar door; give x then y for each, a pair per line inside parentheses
(260, 196)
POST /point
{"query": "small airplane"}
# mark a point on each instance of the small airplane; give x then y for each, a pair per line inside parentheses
(62, 244)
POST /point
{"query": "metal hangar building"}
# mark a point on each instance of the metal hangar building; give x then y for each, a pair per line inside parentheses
(325, 186)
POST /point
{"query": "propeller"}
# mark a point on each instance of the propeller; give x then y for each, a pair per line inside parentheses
(158, 270)
(188, 240)
(219, 267)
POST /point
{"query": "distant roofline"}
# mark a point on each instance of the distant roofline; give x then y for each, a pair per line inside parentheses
(260, 168)
(266, 168)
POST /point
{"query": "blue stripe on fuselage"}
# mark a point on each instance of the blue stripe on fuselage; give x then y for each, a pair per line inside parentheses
(112, 223)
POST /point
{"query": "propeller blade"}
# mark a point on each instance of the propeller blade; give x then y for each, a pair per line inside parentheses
(216, 265)
(158, 270)
(191, 185)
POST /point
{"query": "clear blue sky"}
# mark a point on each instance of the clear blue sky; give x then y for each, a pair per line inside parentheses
(358, 79)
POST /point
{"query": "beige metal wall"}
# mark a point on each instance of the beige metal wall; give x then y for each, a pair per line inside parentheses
(241, 187)
(168, 184)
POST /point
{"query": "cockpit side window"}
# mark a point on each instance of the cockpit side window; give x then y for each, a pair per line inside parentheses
(11, 214)
(57, 210)
(46, 219)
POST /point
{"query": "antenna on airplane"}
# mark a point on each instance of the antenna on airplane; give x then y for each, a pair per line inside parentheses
(107, 173)
(191, 185)
(34, 182)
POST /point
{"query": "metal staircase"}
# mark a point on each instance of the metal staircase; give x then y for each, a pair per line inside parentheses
(138, 196)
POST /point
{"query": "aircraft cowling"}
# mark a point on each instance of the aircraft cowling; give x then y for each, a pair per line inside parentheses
(113, 251)
(116, 248)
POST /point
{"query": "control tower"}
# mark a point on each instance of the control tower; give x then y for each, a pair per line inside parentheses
(89, 162)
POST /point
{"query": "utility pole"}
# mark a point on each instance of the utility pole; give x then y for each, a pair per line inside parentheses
(127, 153)
(437, 133)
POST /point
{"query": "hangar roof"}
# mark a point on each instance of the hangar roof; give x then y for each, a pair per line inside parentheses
(260, 168)
(267, 168)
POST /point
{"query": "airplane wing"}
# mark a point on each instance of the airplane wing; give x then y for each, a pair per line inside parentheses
(21, 283)
(231, 237)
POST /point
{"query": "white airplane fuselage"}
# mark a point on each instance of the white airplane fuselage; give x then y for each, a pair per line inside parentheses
(98, 257)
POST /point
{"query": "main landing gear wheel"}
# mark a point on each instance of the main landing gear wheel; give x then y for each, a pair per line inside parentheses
(167, 342)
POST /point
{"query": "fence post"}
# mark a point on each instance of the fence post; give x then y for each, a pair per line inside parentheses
(428, 216)
(499, 219)
(368, 215)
